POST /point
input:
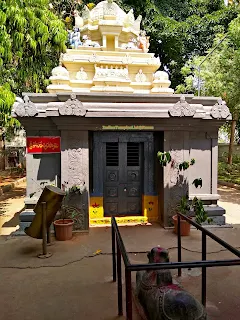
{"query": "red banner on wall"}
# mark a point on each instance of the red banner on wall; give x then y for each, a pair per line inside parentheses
(43, 144)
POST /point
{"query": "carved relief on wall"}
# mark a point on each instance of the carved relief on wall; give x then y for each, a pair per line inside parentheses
(25, 108)
(182, 109)
(220, 110)
(76, 161)
(140, 76)
(72, 107)
(81, 74)
(111, 73)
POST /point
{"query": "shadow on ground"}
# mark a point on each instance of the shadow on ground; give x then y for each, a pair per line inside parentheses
(16, 193)
(13, 222)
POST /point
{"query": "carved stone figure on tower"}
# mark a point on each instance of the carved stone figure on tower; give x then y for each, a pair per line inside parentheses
(143, 41)
(87, 42)
(74, 38)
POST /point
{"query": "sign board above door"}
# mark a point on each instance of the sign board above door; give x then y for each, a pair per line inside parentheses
(133, 127)
(41, 145)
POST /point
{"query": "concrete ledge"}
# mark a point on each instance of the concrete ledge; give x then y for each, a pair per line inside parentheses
(9, 187)
(229, 184)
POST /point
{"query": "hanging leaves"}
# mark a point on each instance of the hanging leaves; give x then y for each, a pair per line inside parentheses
(31, 39)
(197, 183)
(164, 158)
(186, 164)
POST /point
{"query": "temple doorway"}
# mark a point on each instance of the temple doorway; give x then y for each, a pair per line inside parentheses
(123, 171)
(123, 177)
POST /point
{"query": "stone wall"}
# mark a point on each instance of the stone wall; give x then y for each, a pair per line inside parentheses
(203, 148)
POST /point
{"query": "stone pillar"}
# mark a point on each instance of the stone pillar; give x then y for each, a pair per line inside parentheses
(104, 41)
(116, 42)
(75, 167)
(204, 149)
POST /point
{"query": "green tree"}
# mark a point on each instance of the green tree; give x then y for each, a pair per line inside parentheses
(220, 74)
(31, 40)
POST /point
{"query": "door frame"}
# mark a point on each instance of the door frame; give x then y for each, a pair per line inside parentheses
(101, 137)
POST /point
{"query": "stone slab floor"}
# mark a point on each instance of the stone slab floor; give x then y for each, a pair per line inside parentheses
(69, 286)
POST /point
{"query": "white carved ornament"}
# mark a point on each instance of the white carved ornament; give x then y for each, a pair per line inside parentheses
(72, 107)
(81, 75)
(110, 73)
(140, 76)
(26, 108)
(220, 110)
(182, 109)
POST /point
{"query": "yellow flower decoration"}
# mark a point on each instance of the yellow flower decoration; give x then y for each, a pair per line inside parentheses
(90, 5)
(68, 19)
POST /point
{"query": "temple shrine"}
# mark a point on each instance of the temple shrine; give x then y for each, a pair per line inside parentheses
(107, 113)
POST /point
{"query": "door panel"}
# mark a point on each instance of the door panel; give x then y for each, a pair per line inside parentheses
(122, 178)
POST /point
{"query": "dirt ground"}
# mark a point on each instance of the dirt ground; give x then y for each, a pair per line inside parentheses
(10, 176)
(11, 204)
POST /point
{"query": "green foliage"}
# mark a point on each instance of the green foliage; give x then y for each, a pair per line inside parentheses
(220, 72)
(6, 101)
(229, 173)
(164, 158)
(31, 40)
(186, 164)
(184, 206)
(199, 211)
(197, 182)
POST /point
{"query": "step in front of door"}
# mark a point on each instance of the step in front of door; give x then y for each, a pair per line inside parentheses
(120, 220)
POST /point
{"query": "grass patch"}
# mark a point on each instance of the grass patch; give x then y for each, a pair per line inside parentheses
(229, 173)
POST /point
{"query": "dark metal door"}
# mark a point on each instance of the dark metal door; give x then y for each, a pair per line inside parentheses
(123, 178)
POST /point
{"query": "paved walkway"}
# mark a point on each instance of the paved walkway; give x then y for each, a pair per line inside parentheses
(73, 285)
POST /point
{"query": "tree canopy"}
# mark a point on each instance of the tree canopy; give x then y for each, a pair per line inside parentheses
(31, 39)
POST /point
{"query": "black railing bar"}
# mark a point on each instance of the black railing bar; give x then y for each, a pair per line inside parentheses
(120, 243)
(184, 265)
(212, 236)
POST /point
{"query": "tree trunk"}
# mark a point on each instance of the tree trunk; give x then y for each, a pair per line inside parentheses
(230, 150)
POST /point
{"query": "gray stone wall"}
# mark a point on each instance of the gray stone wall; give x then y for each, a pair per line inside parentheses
(41, 168)
(175, 184)
(184, 146)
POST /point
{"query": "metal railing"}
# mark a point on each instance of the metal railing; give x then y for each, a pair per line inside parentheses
(117, 243)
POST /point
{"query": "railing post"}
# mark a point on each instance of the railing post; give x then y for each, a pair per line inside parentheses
(204, 269)
(179, 244)
(128, 286)
(114, 253)
(119, 281)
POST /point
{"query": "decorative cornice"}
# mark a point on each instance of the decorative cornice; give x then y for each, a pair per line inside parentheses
(25, 108)
(182, 109)
(220, 110)
(72, 107)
